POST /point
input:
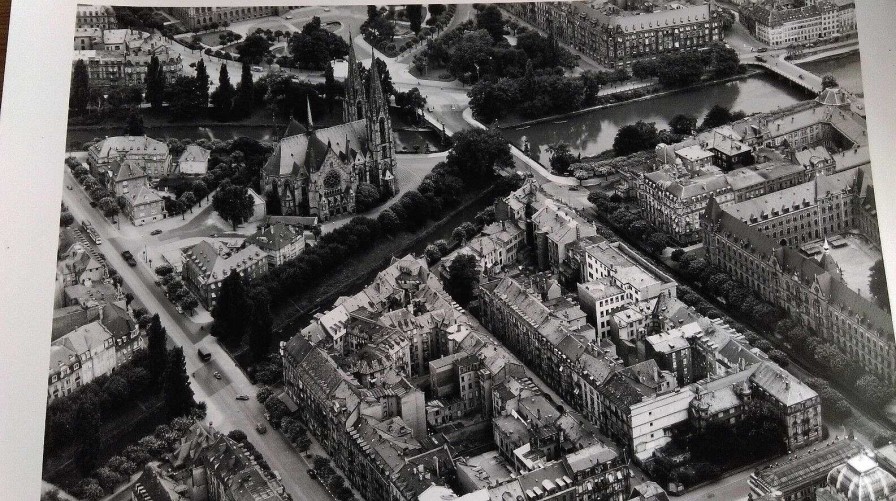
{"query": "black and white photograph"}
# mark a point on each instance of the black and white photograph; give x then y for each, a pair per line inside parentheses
(603, 250)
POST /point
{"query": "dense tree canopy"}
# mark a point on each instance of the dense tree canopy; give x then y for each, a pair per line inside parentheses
(178, 394)
(635, 137)
(223, 95)
(79, 98)
(314, 47)
(230, 313)
(463, 276)
(476, 153)
(878, 285)
(683, 124)
(233, 203)
(254, 48)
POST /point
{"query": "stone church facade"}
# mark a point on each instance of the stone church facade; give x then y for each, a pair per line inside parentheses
(317, 172)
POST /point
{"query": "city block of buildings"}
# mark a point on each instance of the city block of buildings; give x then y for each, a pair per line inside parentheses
(615, 33)
(782, 24)
(647, 362)
(554, 405)
(805, 249)
(117, 57)
(758, 155)
(208, 465)
(403, 389)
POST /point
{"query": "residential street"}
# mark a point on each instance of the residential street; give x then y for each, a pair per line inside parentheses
(225, 413)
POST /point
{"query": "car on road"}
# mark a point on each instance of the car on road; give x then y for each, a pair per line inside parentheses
(312, 473)
(129, 258)
(204, 354)
(762, 49)
(156, 232)
(257, 69)
(326, 9)
(68, 186)
(242, 397)
(287, 17)
(261, 428)
(217, 375)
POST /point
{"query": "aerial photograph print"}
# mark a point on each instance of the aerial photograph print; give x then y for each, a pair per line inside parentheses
(602, 250)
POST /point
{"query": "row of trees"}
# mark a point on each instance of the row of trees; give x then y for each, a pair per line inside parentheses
(469, 164)
(687, 68)
(641, 136)
(117, 469)
(78, 418)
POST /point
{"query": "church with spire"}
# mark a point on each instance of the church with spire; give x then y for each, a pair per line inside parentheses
(317, 172)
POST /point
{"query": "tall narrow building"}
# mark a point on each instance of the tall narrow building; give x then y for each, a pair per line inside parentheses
(317, 171)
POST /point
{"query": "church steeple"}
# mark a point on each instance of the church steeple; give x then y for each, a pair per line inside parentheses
(379, 132)
(355, 104)
(309, 122)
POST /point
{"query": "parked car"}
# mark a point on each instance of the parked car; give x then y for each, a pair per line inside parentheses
(312, 473)
(242, 397)
(261, 428)
(156, 232)
(93, 204)
(257, 69)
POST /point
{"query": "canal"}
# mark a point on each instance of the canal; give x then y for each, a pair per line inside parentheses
(593, 132)
(406, 140)
(847, 69)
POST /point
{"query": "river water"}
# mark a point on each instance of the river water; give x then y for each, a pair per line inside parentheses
(846, 69)
(75, 139)
(593, 132)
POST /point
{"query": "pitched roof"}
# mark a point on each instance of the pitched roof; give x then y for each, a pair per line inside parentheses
(195, 153)
(273, 237)
(305, 152)
(117, 320)
(216, 261)
(116, 145)
(144, 195)
(127, 170)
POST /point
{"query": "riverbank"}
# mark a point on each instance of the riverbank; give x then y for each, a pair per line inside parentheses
(652, 95)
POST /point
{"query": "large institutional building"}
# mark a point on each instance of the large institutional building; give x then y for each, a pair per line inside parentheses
(615, 33)
(197, 17)
(317, 172)
(752, 157)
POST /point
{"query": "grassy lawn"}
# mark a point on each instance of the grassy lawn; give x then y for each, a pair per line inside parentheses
(212, 37)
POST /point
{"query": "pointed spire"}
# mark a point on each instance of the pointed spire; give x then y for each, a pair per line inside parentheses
(310, 121)
(376, 87)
